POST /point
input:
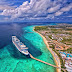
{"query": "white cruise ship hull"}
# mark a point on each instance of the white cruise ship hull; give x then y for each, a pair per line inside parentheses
(20, 46)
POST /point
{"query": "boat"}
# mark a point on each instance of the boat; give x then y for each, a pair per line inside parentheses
(20, 46)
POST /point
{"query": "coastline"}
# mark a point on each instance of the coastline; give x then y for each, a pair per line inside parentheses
(56, 58)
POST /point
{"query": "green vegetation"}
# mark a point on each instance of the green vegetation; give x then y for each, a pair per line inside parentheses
(69, 29)
(67, 44)
(41, 28)
(68, 33)
(69, 50)
(53, 47)
(55, 32)
(50, 36)
(66, 40)
(53, 29)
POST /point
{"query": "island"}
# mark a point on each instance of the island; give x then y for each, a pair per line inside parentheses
(58, 39)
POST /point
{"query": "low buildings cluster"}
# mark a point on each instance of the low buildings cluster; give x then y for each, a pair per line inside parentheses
(67, 57)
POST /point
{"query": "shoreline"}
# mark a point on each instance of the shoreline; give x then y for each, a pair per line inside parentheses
(56, 58)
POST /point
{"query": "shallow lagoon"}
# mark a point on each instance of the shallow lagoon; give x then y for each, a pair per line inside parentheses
(11, 60)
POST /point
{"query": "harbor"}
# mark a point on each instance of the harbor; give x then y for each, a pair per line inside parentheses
(23, 49)
(35, 35)
(13, 60)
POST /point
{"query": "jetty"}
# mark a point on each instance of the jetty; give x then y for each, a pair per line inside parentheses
(47, 63)
(23, 49)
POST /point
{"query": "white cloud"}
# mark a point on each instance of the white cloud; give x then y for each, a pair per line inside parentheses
(64, 9)
(58, 13)
(69, 16)
(54, 9)
(37, 9)
(67, 8)
(51, 16)
(3, 7)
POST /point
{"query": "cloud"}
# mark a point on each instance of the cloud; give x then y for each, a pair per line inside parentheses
(69, 16)
(54, 9)
(3, 7)
(58, 13)
(50, 16)
(37, 9)
(67, 8)
(64, 9)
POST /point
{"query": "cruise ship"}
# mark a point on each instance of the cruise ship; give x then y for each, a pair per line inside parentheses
(20, 46)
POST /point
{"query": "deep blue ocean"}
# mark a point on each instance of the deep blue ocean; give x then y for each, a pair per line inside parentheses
(9, 29)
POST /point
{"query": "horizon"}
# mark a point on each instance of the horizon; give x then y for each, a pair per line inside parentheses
(38, 22)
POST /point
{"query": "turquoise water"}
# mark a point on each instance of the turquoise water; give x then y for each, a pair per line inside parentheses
(11, 60)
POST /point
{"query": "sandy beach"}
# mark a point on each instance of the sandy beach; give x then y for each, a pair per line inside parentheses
(56, 58)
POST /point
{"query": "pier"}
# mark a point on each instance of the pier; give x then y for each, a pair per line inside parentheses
(47, 63)
(21, 47)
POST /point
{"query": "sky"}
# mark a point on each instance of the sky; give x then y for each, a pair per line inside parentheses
(35, 10)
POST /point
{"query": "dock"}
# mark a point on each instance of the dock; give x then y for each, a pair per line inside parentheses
(23, 49)
(47, 63)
